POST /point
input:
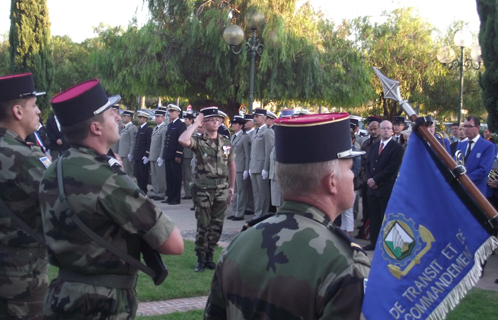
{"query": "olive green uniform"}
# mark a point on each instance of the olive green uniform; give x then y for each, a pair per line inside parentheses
(210, 191)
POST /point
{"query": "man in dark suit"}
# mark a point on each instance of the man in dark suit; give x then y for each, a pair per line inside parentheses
(173, 155)
(141, 151)
(478, 153)
(58, 144)
(381, 168)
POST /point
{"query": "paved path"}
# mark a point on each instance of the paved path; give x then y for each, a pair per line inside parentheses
(185, 221)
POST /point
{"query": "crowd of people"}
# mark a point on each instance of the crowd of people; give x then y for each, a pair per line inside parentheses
(81, 194)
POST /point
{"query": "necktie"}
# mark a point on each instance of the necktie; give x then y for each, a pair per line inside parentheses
(257, 130)
(397, 139)
(468, 151)
(381, 147)
(155, 129)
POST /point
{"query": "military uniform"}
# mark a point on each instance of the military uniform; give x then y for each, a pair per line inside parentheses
(142, 149)
(126, 146)
(112, 205)
(115, 147)
(173, 149)
(297, 251)
(23, 261)
(186, 171)
(262, 143)
(276, 197)
(158, 174)
(211, 188)
(241, 147)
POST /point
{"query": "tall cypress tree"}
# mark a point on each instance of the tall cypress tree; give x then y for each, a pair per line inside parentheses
(30, 47)
(488, 39)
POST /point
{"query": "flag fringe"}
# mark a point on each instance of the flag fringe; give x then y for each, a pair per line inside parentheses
(467, 283)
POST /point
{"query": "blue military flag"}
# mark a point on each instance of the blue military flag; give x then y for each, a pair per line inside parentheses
(431, 244)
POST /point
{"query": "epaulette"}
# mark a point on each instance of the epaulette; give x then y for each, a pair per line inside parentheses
(252, 222)
(345, 237)
(226, 137)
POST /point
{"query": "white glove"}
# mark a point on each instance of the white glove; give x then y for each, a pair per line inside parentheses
(264, 174)
(130, 157)
(159, 162)
(145, 159)
(245, 174)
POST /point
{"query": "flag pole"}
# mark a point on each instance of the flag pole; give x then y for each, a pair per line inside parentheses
(391, 91)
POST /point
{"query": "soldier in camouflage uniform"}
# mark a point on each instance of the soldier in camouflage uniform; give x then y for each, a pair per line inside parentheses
(23, 260)
(214, 181)
(297, 264)
(93, 283)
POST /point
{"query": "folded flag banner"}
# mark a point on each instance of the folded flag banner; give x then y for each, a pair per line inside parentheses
(432, 243)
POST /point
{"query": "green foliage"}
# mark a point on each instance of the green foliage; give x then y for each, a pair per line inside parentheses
(30, 48)
(4, 54)
(402, 48)
(181, 52)
(189, 315)
(488, 39)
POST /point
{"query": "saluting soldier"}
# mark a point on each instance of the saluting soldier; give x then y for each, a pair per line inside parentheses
(259, 165)
(142, 150)
(115, 108)
(127, 142)
(173, 155)
(94, 283)
(187, 160)
(23, 258)
(158, 175)
(241, 147)
(297, 264)
(214, 180)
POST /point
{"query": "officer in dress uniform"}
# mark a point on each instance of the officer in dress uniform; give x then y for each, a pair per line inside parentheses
(158, 175)
(223, 130)
(398, 126)
(250, 131)
(259, 165)
(94, 283)
(142, 150)
(23, 258)
(240, 144)
(127, 142)
(297, 264)
(187, 160)
(115, 147)
(173, 155)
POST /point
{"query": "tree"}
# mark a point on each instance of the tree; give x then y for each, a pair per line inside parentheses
(4, 54)
(30, 48)
(181, 52)
(403, 49)
(488, 39)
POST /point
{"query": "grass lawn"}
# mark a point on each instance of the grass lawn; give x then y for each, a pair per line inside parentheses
(190, 315)
(182, 280)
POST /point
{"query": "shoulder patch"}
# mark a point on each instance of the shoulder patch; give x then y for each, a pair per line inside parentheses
(45, 161)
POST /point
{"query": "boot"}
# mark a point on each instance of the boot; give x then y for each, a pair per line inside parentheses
(209, 261)
(201, 262)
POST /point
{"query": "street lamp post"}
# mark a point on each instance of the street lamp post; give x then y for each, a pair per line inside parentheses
(234, 35)
(446, 56)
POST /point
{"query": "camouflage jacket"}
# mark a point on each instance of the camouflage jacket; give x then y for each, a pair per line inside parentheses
(108, 202)
(294, 265)
(20, 175)
(212, 157)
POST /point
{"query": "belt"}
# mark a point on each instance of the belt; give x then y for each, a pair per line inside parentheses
(101, 280)
(210, 182)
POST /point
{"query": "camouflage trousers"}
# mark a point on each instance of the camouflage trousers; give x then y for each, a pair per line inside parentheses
(22, 298)
(73, 300)
(210, 207)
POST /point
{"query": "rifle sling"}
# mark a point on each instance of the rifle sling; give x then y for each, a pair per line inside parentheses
(92, 235)
(21, 223)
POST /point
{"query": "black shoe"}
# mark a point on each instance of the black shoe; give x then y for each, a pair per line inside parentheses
(201, 262)
(230, 217)
(192, 209)
(209, 261)
(238, 218)
(173, 203)
(186, 198)
(159, 198)
(369, 247)
(165, 201)
(248, 213)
